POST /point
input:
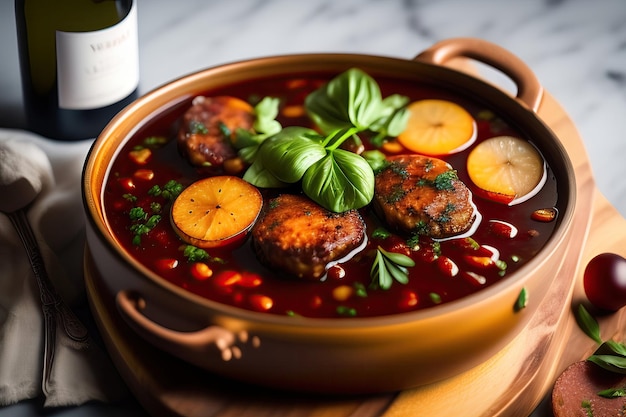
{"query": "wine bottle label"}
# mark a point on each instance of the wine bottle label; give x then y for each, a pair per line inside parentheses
(96, 69)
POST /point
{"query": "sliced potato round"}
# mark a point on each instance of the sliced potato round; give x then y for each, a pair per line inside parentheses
(216, 211)
(506, 167)
(438, 127)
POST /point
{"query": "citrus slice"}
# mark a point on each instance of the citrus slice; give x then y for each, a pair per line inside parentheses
(438, 127)
(508, 169)
(216, 211)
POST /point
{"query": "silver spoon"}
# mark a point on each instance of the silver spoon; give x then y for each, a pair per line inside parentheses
(22, 166)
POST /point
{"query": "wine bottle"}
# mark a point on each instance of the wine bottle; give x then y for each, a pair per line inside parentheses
(79, 63)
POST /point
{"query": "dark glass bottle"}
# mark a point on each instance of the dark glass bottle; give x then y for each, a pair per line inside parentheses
(79, 63)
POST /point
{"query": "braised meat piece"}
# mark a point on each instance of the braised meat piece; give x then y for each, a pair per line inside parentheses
(420, 194)
(208, 125)
(300, 237)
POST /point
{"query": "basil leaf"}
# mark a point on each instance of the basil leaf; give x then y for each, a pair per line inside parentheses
(263, 127)
(340, 181)
(380, 276)
(259, 176)
(393, 116)
(588, 324)
(352, 99)
(399, 273)
(616, 364)
(288, 154)
(266, 112)
(611, 347)
(249, 153)
(613, 393)
(522, 300)
(615, 347)
(388, 266)
(398, 258)
(376, 159)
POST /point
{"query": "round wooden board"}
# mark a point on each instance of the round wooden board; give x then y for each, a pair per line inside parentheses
(510, 384)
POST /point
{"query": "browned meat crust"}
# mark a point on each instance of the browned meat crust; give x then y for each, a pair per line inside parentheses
(204, 134)
(300, 237)
(420, 194)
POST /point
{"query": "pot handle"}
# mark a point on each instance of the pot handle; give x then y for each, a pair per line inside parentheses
(529, 90)
(130, 304)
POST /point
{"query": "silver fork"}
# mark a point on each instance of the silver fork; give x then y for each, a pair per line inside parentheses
(52, 304)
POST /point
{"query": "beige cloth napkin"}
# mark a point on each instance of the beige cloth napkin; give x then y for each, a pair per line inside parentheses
(78, 375)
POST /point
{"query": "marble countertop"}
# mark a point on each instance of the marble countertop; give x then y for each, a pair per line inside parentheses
(577, 49)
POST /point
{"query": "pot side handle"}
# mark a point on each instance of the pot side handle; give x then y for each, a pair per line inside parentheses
(529, 90)
(130, 304)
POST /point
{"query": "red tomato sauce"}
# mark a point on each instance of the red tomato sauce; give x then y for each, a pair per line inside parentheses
(237, 278)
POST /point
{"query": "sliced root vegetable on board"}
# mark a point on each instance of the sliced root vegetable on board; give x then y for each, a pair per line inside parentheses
(584, 389)
(595, 387)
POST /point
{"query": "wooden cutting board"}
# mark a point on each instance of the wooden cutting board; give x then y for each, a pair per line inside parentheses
(510, 384)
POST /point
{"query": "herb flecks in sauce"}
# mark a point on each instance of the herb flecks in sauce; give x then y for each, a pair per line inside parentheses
(240, 276)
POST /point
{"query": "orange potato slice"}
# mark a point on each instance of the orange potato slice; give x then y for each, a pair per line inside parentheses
(438, 127)
(506, 168)
(216, 211)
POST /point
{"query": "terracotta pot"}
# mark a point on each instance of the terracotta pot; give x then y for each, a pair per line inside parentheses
(360, 355)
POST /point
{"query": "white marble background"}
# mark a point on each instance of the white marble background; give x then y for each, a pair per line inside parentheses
(577, 49)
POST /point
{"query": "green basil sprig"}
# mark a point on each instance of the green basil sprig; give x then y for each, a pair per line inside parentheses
(390, 266)
(265, 125)
(610, 355)
(336, 179)
(353, 99)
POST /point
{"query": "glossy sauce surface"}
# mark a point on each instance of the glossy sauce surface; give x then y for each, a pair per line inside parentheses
(237, 278)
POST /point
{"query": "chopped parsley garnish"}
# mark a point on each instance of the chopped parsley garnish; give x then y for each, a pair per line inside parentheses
(141, 228)
(197, 127)
(414, 242)
(156, 207)
(399, 169)
(396, 195)
(151, 142)
(346, 311)
(444, 180)
(143, 222)
(437, 248)
(501, 265)
(194, 254)
(360, 290)
(224, 130)
(421, 228)
(137, 214)
(380, 233)
(154, 141)
(435, 298)
(444, 217)
(169, 191)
